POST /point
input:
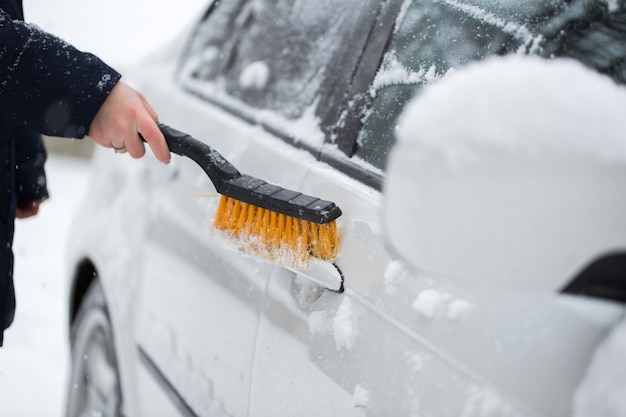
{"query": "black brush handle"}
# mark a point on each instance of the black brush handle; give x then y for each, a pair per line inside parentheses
(211, 161)
(230, 182)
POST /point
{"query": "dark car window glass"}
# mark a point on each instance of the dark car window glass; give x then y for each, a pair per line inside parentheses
(432, 38)
(592, 32)
(436, 36)
(271, 54)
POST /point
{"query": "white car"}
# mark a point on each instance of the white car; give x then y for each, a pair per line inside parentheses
(482, 245)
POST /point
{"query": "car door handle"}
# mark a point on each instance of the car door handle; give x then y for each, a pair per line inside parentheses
(323, 273)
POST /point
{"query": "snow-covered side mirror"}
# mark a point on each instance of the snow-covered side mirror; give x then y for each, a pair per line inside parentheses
(510, 172)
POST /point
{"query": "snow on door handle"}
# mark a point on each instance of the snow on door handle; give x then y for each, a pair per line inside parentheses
(323, 273)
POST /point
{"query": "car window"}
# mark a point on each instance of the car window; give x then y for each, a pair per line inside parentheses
(271, 55)
(431, 38)
(434, 36)
(270, 61)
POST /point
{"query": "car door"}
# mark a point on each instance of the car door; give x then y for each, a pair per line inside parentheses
(350, 353)
(200, 298)
(398, 341)
(323, 352)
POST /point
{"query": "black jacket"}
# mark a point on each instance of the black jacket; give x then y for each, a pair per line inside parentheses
(46, 87)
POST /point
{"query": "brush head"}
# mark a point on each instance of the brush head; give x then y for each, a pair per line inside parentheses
(276, 237)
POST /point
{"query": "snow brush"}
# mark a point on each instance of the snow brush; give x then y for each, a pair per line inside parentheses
(276, 224)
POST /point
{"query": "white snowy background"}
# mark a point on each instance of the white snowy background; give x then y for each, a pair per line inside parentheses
(34, 361)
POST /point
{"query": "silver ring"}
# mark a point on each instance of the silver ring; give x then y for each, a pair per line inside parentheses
(119, 150)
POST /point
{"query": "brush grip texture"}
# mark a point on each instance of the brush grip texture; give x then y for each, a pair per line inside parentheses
(272, 197)
(212, 162)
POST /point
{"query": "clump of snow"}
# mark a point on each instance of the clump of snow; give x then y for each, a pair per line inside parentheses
(484, 402)
(343, 327)
(403, 11)
(601, 393)
(429, 302)
(255, 76)
(362, 397)
(458, 308)
(432, 303)
(393, 72)
(318, 322)
(393, 273)
(613, 5)
(415, 361)
(251, 245)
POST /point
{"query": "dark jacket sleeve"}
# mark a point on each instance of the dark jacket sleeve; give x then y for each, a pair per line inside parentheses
(30, 157)
(47, 84)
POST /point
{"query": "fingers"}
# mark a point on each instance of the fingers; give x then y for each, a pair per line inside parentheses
(151, 133)
(123, 119)
(28, 210)
(134, 145)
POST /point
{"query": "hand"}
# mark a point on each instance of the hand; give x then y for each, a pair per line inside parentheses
(28, 210)
(122, 118)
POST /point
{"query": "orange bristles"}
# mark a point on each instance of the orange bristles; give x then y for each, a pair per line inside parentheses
(277, 237)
